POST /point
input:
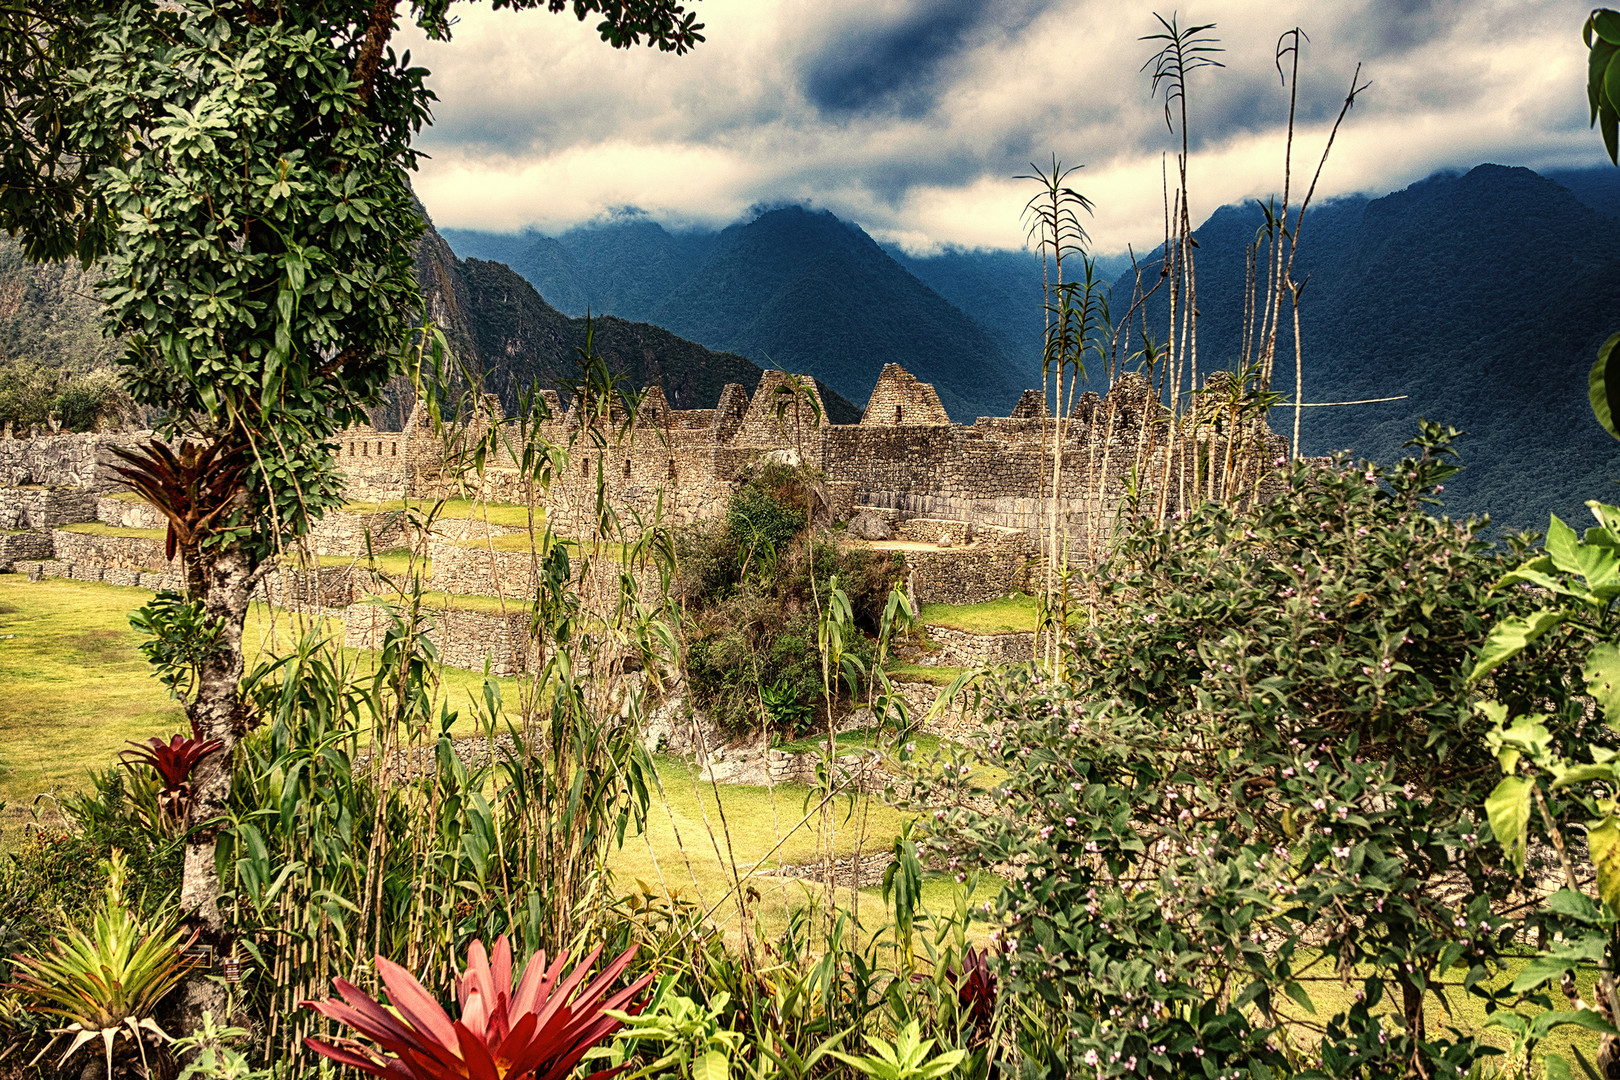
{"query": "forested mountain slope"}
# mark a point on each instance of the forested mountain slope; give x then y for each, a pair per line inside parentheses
(1482, 297)
(803, 290)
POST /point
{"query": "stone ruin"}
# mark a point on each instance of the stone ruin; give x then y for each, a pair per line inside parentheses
(965, 505)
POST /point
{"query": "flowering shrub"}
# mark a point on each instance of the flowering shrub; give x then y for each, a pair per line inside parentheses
(1241, 823)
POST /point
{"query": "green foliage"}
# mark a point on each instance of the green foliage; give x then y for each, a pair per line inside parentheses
(1602, 36)
(1248, 775)
(904, 1059)
(1561, 767)
(106, 980)
(34, 393)
(212, 1053)
(180, 638)
(755, 586)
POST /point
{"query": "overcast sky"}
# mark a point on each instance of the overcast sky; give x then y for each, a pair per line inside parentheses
(912, 117)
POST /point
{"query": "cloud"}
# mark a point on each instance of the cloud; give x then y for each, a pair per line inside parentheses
(911, 117)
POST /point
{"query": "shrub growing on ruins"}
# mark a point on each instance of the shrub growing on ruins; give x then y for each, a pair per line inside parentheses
(754, 586)
(1259, 778)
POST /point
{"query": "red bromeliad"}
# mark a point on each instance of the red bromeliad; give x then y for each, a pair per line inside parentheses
(507, 1031)
(174, 760)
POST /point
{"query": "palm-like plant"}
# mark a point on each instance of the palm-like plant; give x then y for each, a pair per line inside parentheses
(538, 1027)
(193, 488)
(105, 982)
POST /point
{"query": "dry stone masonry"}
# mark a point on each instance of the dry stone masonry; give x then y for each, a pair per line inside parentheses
(965, 506)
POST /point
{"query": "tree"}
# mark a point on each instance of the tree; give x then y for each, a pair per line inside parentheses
(1602, 36)
(241, 168)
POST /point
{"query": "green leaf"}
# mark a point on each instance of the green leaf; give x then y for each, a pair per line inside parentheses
(1603, 841)
(1561, 545)
(1602, 674)
(711, 1066)
(1606, 24)
(1603, 387)
(1298, 995)
(1556, 1068)
(1573, 905)
(1580, 774)
(1510, 637)
(1551, 966)
(1508, 808)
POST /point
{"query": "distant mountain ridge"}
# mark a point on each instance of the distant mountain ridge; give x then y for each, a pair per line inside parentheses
(796, 288)
(1482, 297)
(498, 324)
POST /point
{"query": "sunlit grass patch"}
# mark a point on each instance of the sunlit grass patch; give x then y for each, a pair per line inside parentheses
(920, 673)
(96, 528)
(1005, 615)
(74, 686)
(509, 515)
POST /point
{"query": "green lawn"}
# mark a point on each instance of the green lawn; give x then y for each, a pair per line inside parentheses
(511, 515)
(96, 528)
(395, 562)
(74, 687)
(1010, 613)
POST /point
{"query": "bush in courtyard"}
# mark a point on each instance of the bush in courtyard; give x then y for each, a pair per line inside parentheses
(1243, 821)
(755, 585)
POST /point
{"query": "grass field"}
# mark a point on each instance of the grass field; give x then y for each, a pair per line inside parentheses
(96, 528)
(511, 515)
(74, 688)
(1010, 613)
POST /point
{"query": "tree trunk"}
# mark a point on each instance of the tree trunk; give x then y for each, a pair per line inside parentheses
(224, 579)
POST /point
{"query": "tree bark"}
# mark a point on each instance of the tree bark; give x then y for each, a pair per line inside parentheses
(224, 579)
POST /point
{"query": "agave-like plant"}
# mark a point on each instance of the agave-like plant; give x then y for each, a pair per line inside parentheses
(106, 983)
(538, 1027)
(173, 761)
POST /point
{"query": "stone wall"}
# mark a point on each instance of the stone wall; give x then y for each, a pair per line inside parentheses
(24, 545)
(110, 552)
(69, 460)
(992, 565)
(958, 648)
(463, 638)
(128, 514)
(44, 507)
(150, 580)
(346, 534)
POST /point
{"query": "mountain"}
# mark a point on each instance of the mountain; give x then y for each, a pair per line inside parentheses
(805, 291)
(49, 313)
(1483, 298)
(497, 323)
(809, 292)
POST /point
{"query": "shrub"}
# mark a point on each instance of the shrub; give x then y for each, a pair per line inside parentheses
(1261, 771)
(754, 587)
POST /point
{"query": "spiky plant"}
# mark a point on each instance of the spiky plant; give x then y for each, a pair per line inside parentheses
(106, 982)
(173, 761)
(538, 1027)
(194, 487)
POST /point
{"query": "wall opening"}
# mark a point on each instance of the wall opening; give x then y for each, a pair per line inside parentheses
(627, 468)
(897, 414)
